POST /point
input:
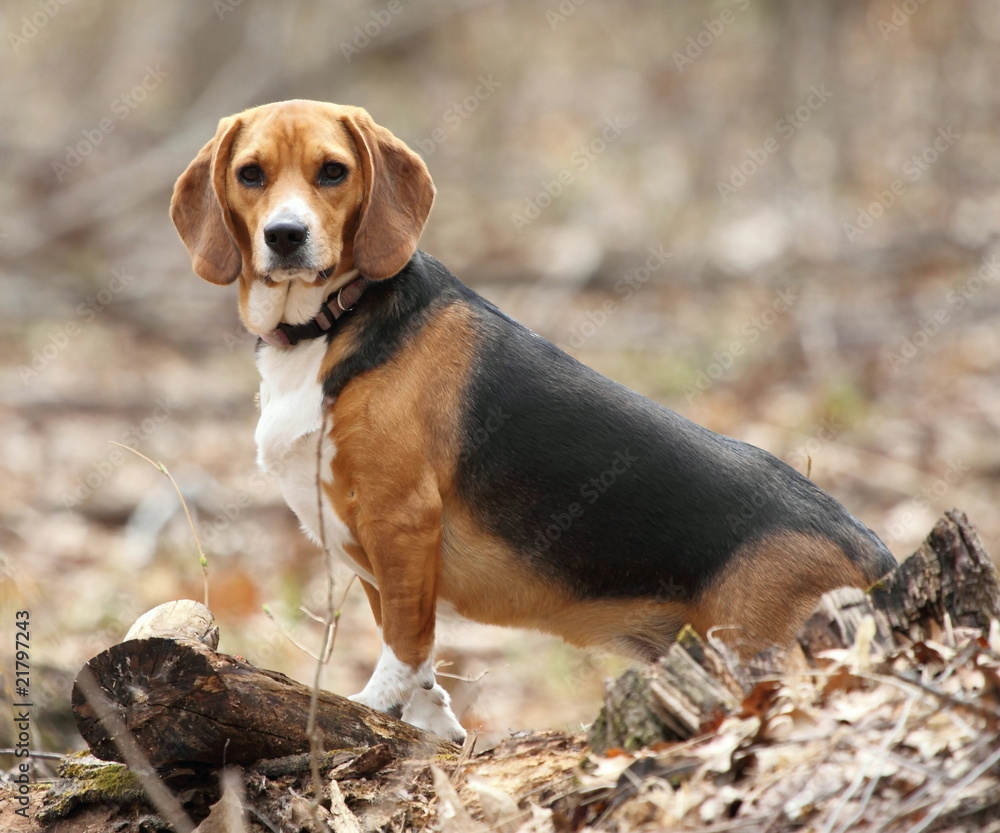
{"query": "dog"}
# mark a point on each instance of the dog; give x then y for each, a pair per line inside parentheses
(465, 462)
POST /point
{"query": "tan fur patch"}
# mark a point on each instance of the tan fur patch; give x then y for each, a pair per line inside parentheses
(341, 348)
(769, 588)
(396, 433)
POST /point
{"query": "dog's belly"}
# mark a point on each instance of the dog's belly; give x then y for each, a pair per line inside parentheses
(486, 580)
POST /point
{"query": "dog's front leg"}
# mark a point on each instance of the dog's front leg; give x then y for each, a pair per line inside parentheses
(405, 558)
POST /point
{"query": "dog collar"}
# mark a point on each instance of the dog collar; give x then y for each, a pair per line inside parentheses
(342, 301)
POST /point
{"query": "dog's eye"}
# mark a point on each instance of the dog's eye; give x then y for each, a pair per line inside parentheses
(251, 175)
(331, 173)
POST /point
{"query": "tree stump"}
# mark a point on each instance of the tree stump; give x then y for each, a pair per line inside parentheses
(951, 574)
(668, 700)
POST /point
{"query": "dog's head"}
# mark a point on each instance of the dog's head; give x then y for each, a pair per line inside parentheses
(294, 199)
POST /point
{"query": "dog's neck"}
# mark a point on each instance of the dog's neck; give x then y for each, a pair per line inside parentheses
(391, 314)
(325, 320)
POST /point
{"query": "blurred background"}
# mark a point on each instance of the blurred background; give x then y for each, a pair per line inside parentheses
(780, 219)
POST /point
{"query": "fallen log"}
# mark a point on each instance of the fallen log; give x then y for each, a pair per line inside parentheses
(950, 581)
(182, 703)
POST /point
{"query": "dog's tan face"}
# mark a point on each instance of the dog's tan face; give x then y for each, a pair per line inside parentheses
(293, 188)
(292, 198)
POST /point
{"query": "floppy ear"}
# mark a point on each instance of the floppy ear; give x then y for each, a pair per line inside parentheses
(200, 213)
(397, 199)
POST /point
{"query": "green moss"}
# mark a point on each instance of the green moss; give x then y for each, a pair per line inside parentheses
(85, 781)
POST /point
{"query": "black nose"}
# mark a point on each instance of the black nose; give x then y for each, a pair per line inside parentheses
(285, 236)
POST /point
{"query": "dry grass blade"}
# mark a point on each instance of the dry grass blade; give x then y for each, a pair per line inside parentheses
(452, 815)
(228, 814)
(330, 625)
(944, 803)
(873, 765)
(160, 467)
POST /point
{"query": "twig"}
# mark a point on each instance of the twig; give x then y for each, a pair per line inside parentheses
(315, 741)
(331, 624)
(884, 750)
(287, 634)
(896, 677)
(463, 758)
(740, 824)
(163, 469)
(51, 756)
(918, 800)
(165, 802)
(439, 673)
(942, 803)
(314, 616)
(900, 760)
(329, 633)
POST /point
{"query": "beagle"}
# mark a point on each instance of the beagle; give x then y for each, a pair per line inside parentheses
(465, 462)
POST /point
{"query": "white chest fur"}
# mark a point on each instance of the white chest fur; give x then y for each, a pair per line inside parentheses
(291, 442)
(291, 399)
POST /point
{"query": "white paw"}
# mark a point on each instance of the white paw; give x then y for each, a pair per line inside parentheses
(431, 711)
(379, 701)
(393, 683)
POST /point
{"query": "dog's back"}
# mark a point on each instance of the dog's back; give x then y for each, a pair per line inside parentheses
(675, 499)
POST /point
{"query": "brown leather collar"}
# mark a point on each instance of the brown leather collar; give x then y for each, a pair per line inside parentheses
(342, 301)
